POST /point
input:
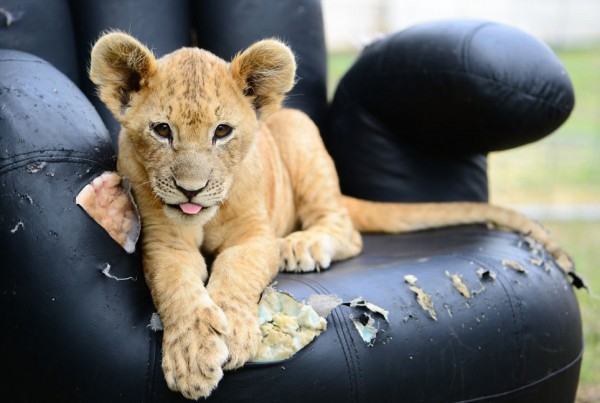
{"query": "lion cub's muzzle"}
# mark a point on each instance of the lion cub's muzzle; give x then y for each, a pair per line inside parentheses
(189, 207)
(191, 199)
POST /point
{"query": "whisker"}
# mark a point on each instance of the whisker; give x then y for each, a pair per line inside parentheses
(156, 199)
(141, 184)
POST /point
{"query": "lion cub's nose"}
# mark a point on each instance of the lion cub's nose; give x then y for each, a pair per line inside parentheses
(190, 193)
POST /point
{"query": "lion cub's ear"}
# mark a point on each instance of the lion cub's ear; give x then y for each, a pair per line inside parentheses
(120, 66)
(265, 73)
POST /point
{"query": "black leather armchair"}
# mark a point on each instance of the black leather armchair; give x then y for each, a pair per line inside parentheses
(412, 120)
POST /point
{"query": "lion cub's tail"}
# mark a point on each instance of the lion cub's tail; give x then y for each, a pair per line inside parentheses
(369, 216)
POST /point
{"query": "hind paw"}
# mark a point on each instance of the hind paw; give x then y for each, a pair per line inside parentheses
(112, 206)
(303, 251)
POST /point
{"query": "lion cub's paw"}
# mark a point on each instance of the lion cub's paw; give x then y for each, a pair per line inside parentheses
(245, 336)
(305, 251)
(194, 352)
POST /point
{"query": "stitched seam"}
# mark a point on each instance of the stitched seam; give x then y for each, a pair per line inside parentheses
(517, 320)
(343, 336)
(24, 60)
(43, 153)
(466, 45)
(351, 370)
(153, 346)
(361, 389)
(107, 163)
(533, 384)
(516, 316)
(517, 90)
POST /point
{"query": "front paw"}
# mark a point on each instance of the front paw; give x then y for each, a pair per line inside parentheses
(245, 336)
(194, 352)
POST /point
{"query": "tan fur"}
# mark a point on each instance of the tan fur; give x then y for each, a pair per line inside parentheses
(270, 192)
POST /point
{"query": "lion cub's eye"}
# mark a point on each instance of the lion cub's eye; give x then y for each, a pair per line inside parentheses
(223, 131)
(163, 130)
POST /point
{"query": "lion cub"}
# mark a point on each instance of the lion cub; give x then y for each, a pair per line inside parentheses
(215, 164)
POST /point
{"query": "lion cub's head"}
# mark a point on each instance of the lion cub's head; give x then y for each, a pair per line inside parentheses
(189, 117)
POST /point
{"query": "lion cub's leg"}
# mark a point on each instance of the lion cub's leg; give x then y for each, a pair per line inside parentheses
(195, 327)
(327, 232)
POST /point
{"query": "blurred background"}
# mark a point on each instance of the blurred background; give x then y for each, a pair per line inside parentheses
(555, 180)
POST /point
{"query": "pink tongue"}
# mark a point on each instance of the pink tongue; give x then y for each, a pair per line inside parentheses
(190, 208)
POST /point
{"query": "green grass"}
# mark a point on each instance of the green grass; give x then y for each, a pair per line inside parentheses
(583, 66)
(338, 64)
(560, 169)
